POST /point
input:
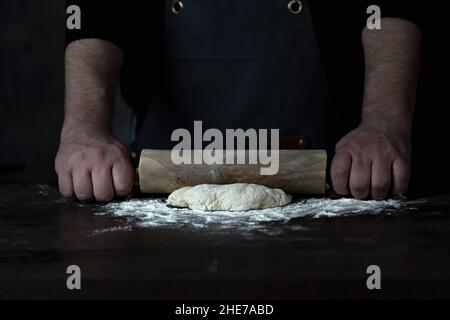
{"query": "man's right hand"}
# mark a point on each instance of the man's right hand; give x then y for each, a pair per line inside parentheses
(94, 166)
(90, 163)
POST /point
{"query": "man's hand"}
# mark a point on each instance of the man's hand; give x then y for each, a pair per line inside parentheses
(90, 163)
(372, 161)
(94, 166)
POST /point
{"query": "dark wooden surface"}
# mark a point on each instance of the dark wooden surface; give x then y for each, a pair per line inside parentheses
(41, 235)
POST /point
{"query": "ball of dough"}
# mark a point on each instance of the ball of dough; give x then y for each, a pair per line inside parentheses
(230, 197)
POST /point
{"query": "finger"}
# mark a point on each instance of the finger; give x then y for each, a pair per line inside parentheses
(381, 178)
(400, 174)
(65, 184)
(360, 176)
(340, 171)
(102, 184)
(123, 177)
(82, 184)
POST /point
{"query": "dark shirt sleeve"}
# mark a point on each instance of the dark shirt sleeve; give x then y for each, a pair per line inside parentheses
(402, 9)
(100, 19)
(338, 26)
(136, 27)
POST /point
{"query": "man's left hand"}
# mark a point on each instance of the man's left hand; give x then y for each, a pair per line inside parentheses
(372, 160)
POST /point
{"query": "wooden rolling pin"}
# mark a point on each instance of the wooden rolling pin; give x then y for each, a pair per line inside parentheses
(300, 172)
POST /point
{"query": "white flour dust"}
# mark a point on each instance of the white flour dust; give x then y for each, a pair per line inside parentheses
(155, 212)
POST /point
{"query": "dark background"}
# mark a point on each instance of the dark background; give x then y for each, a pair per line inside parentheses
(31, 94)
(32, 87)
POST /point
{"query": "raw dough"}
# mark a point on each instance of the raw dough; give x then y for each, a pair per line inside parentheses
(230, 197)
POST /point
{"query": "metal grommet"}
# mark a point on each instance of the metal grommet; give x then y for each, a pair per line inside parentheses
(295, 6)
(177, 6)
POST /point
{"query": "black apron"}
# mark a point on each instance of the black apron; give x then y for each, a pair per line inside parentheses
(238, 64)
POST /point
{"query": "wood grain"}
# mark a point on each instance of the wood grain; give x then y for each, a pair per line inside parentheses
(300, 172)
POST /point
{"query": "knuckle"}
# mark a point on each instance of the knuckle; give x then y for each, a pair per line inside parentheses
(122, 148)
(98, 154)
(379, 193)
(341, 156)
(121, 153)
(340, 146)
(341, 190)
(359, 155)
(62, 170)
(124, 189)
(404, 162)
(84, 196)
(104, 197)
(90, 156)
(58, 170)
(62, 163)
(75, 158)
(58, 165)
(110, 154)
(359, 188)
(380, 187)
(351, 146)
(338, 171)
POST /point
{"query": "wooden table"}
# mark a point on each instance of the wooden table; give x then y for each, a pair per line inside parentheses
(40, 236)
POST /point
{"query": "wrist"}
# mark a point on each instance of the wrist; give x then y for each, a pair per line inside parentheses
(75, 131)
(390, 123)
(384, 117)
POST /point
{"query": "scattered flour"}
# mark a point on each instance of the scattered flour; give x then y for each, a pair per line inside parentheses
(112, 229)
(156, 213)
(43, 189)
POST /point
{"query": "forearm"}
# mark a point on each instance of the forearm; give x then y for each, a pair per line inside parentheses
(91, 74)
(392, 57)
